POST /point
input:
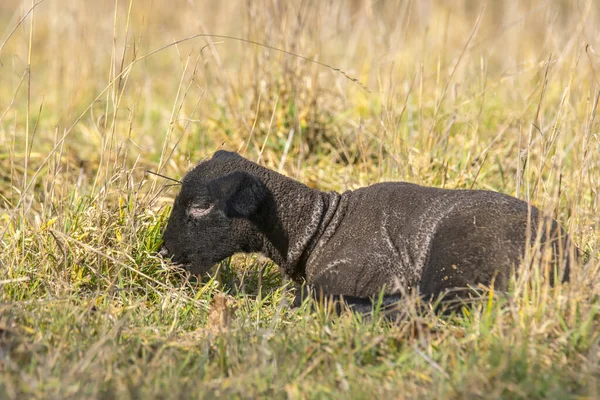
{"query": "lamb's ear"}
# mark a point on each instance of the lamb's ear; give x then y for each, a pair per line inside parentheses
(238, 194)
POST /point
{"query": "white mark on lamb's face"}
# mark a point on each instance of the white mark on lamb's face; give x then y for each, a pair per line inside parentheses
(197, 211)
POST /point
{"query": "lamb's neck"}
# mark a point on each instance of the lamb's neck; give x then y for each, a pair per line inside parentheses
(293, 222)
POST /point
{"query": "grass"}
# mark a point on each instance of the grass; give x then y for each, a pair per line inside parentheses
(462, 94)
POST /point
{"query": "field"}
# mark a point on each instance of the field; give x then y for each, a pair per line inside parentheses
(499, 95)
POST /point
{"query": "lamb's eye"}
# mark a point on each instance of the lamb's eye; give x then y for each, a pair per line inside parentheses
(197, 210)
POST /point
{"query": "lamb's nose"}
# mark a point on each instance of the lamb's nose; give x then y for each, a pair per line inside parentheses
(164, 252)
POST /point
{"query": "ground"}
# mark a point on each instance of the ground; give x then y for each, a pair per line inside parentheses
(498, 95)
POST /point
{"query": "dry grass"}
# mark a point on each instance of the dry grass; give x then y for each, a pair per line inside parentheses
(499, 96)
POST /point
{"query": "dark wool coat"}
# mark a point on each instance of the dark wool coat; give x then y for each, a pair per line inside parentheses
(394, 236)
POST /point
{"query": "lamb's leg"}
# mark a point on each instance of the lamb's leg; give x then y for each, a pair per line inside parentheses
(339, 303)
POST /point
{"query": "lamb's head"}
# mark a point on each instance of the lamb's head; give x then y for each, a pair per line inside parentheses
(210, 218)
